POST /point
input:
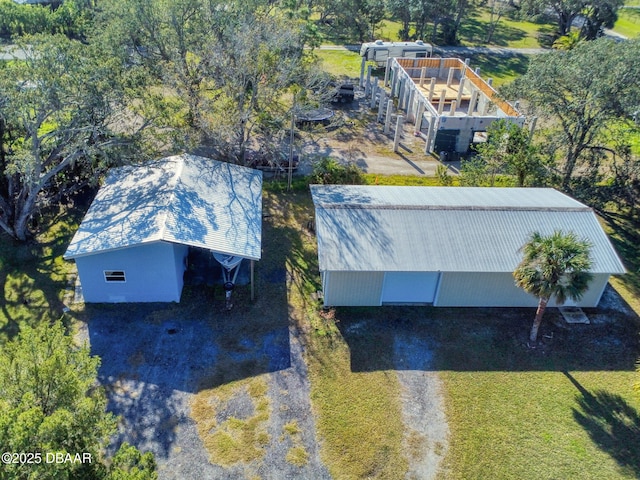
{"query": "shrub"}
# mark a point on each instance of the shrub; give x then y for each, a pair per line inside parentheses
(329, 172)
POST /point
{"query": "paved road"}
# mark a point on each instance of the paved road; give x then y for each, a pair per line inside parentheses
(459, 50)
(11, 52)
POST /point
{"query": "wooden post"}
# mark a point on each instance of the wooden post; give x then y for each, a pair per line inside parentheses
(460, 90)
(252, 278)
(374, 91)
(387, 71)
(409, 109)
(367, 85)
(431, 131)
(418, 120)
(364, 60)
(423, 73)
(432, 87)
(450, 77)
(454, 106)
(381, 105)
(472, 103)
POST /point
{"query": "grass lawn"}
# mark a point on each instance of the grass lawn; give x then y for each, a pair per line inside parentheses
(501, 69)
(340, 62)
(628, 23)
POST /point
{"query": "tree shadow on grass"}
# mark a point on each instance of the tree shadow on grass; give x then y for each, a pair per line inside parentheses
(475, 31)
(625, 238)
(612, 424)
(507, 66)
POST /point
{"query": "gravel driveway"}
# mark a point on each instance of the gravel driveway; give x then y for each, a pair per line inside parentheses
(152, 370)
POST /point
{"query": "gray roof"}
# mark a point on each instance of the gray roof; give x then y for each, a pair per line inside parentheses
(183, 199)
(455, 229)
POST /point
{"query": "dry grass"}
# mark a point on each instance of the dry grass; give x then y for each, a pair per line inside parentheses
(233, 440)
(297, 456)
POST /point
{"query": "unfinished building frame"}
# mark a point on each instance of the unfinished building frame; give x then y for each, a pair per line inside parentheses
(445, 99)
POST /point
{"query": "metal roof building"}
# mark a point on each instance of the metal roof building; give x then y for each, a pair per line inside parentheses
(450, 246)
(133, 242)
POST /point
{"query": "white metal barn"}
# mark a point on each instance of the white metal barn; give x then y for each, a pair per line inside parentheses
(446, 246)
(132, 244)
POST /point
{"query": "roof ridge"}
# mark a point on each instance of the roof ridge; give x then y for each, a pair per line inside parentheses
(165, 215)
(365, 206)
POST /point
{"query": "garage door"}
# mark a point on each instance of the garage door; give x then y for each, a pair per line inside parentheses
(410, 287)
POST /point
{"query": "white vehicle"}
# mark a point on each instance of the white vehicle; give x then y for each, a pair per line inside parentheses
(380, 51)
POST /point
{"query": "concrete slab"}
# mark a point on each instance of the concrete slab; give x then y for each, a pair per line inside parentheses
(573, 315)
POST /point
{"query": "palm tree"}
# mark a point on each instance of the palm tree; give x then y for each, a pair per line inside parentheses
(568, 41)
(555, 266)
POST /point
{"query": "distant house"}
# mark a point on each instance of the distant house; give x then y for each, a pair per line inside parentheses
(133, 243)
(445, 246)
(38, 2)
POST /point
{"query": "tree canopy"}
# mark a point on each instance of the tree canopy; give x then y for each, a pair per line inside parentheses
(509, 152)
(230, 65)
(49, 403)
(65, 119)
(581, 91)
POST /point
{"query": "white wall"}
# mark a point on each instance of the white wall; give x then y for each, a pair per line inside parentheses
(456, 289)
(154, 273)
(474, 289)
(352, 288)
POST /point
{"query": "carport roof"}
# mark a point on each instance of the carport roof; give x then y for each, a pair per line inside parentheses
(182, 199)
(456, 229)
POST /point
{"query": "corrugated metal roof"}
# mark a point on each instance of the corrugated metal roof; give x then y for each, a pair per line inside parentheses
(457, 229)
(183, 199)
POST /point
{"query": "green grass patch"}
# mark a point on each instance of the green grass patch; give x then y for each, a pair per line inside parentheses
(388, 31)
(508, 424)
(404, 180)
(297, 456)
(628, 23)
(341, 63)
(359, 418)
(502, 69)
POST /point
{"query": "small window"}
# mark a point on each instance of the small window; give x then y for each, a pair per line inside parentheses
(114, 276)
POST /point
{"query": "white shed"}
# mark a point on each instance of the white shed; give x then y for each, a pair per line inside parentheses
(132, 244)
(445, 246)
